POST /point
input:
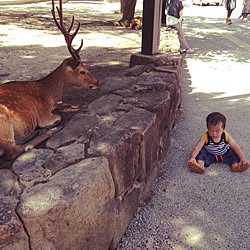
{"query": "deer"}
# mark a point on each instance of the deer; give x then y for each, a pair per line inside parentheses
(28, 105)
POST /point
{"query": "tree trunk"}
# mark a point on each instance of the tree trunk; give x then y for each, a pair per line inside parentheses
(122, 5)
(128, 11)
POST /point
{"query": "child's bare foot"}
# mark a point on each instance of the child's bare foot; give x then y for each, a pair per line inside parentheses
(196, 167)
(240, 166)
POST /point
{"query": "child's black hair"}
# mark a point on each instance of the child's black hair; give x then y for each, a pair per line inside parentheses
(214, 118)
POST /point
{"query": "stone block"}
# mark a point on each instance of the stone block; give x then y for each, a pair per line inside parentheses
(69, 212)
(12, 234)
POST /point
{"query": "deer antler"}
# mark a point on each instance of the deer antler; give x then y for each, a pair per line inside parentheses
(68, 37)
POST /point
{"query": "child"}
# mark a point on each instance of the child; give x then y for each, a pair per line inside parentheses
(217, 146)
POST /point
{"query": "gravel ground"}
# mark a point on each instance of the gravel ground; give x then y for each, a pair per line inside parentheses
(188, 210)
(185, 210)
(31, 45)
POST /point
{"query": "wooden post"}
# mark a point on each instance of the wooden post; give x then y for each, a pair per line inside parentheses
(151, 27)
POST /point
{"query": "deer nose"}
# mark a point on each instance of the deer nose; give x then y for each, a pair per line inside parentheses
(94, 86)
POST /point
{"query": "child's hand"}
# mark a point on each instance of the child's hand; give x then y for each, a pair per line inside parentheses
(191, 160)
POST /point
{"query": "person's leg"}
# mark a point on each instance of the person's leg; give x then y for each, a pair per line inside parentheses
(203, 160)
(232, 159)
(229, 12)
(240, 166)
(181, 37)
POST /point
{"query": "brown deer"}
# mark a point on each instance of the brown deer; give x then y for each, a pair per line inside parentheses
(27, 105)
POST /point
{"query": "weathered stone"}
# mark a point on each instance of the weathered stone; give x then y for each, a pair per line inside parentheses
(76, 128)
(9, 184)
(140, 59)
(105, 104)
(134, 71)
(29, 167)
(65, 156)
(151, 101)
(111, 84)
(148, 126)
(73, 210)
(164, 143)
(124, 92)
(170, 84)
(126, 206)
(11, 229)
(122, 149)
(126, 123)
(155, 81)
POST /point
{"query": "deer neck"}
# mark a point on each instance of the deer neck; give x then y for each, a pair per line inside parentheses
(54, 84)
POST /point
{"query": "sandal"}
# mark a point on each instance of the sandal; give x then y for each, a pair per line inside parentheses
(240, 167)
(196, 167)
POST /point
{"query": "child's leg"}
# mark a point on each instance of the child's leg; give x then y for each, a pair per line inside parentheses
(240, 166)
(232, 159)
(203, 160)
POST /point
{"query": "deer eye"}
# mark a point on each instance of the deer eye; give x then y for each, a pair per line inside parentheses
(82, 72)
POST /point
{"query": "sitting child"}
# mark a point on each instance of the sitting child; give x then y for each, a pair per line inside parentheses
(217, 146)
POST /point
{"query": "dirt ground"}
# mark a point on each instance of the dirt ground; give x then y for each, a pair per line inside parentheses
(32, 46)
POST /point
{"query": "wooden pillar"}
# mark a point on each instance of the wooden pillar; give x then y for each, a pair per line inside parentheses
(151, 27)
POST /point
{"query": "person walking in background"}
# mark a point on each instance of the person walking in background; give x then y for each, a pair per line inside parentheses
(245, 14)
(174, 9)
(217, 146)
(230, 6)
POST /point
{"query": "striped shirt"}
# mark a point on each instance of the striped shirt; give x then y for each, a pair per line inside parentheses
(214, 148)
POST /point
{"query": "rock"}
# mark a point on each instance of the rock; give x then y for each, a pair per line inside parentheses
(9, 185)
(29, 167)
(76, 128)
(65, 156)
(12, 234)
(69, 204)
(105, 104)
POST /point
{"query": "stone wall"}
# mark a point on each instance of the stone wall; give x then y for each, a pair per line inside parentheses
(81, 188)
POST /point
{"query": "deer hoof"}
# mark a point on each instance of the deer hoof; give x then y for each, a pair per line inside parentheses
(28, 147)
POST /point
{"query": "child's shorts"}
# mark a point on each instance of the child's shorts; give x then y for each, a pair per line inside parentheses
(228, 158)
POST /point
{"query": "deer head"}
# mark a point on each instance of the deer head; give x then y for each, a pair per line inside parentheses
(76, 71)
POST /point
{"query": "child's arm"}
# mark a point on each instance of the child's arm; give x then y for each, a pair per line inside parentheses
(196, 149)
(236, 148)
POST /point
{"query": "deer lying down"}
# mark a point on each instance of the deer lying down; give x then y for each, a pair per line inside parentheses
(26, 105)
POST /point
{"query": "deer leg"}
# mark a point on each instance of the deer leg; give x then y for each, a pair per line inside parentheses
(67, 107)
(12, 150)
(8, 145)
(9, 148)
(48, 120)
(41, 138)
